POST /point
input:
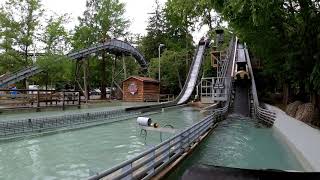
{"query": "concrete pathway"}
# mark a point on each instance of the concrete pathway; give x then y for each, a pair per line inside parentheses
(302, 138)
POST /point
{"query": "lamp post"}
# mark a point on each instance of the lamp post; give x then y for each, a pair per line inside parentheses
(160, 46)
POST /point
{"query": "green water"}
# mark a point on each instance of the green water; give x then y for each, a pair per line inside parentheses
(236, 142)
(82, 153)
(241, 143)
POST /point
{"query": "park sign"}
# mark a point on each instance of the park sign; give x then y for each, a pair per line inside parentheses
(133, 88)
(140, 89)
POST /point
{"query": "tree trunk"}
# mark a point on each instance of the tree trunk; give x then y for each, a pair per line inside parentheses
(178, 74)
(25, 82)
(179, 79)
(285, 94)
(187, 62)
(103, 77)
(314, 99)
(124, 67)
(209, 20)
(85, 80)
(47, 80)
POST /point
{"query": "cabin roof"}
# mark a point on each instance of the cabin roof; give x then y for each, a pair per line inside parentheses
(143, 79)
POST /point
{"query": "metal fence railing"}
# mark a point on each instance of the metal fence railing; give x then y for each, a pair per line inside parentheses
(6, 76)
(19, 75)
(10, 129)
(28, 98)
(215, 88)
(166, 97)
(260, 113)
(265, 115)
(149, 163)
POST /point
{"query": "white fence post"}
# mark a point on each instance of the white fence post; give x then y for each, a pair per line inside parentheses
(126, 168)
(152, 162)
(167, 152)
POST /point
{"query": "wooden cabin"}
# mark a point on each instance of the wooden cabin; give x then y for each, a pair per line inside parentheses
(140, 89)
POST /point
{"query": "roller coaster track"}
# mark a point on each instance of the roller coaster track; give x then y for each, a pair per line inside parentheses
(17, 76)
(113, 46)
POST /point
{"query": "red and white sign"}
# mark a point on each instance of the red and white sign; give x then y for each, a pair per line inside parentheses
(133, 88)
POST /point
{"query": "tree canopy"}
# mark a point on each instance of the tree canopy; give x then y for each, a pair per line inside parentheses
(283, 35)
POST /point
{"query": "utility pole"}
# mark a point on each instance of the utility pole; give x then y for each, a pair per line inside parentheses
(160, 46)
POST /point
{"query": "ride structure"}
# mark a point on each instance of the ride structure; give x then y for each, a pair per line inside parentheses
(116, 47)
(19, 75)
(241, 66)
(113, 46)
(157, 161)
(154, 161)
(194, 71)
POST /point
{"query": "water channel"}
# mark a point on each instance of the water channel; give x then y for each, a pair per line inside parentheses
(82, 153)
(242, 143)
(236, 142)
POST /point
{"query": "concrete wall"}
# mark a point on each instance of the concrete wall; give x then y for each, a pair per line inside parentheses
(303, 139)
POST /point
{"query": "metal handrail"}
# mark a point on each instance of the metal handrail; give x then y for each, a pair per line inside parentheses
(150, 162)
(146, 164)
(260, 113)
(18, 128)
(231, 59)
(14, 72)
(223, 77)
(21, 72)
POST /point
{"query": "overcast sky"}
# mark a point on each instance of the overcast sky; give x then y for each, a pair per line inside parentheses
(136, 11)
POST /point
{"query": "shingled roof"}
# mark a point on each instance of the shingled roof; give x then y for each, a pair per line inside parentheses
(143, 79)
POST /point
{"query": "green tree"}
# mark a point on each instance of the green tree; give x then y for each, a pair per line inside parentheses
(180, 19)
(284, 34)
(57, 67)
(19, 21)
(173, 70)
(168, 25)
(83, 37)
(156, 32)
(55, 37)
(9, 58)
(21, 17)
(205, 11)
(102, 20)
